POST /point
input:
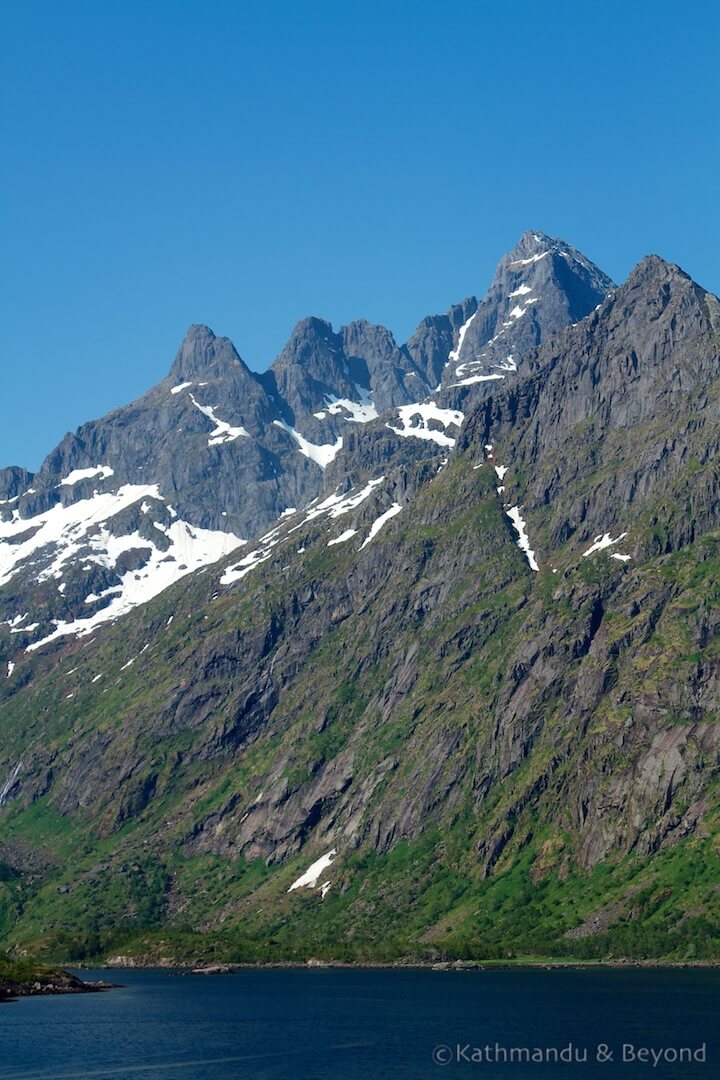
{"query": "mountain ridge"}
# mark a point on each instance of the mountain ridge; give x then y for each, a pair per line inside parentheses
(479, 685)
(214, 453)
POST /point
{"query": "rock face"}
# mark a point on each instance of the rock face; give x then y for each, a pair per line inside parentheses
(539, 287)
(476, 679)
(433, 341)
(215, 454)
(14, 482)
(640, 369)
(390, 371)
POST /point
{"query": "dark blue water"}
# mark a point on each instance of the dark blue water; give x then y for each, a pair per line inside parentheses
(277, 1025)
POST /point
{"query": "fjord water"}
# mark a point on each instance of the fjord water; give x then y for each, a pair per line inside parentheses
(327, 1023)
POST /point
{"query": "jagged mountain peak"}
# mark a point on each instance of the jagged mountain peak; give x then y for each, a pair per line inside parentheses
(542, 285)
(363, 327)
(532, 242)
(534, 245)
(370, 347)
(230, 450)
(200, 350)
(307, 336)
(311, 370)
(198, 332)
(643, 363)
(653, 268)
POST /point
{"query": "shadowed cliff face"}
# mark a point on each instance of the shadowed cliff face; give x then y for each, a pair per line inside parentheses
(386, 675)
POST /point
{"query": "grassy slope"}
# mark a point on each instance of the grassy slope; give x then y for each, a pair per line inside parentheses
(131, 888)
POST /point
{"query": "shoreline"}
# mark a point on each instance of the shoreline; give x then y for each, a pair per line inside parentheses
(60, 982)
(200, 967)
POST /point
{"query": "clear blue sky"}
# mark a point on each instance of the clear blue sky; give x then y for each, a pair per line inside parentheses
(245, 164)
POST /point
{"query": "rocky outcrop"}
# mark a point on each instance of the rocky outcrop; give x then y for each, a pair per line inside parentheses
(14, 482)
(44, 981)
(380, 364)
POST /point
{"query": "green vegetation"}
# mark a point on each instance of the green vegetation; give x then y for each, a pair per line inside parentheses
(478, 742)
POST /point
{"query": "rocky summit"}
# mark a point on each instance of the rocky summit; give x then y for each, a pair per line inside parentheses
(393, 651)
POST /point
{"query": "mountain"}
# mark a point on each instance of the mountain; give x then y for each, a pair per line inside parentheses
(539, 287)
(463, 703)
(214, 454)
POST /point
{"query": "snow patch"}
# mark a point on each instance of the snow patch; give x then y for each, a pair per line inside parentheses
(91, 598)
(321, 455)
(69, 529)
(15, 621)
(238, 572)
(379, 522)
(190, 547)
(347, 535)
(337, 505)
(521, 290)
(361, 412)
(222, 432)
(415, 419)
(602, 542)
(523, 541)
(85, 474)
(471, 379)
(454, 355)
(333, 506)
(532, 259)
(180, 386)
(312, 875)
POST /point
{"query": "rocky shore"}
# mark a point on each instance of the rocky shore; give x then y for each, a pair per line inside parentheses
(47, 982)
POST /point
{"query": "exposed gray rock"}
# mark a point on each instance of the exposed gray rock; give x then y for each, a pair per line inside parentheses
(216, 447)
(433, 341)
(539, 287)
(14, 481)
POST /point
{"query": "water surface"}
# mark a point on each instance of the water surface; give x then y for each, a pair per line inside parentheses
(327, 1023)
